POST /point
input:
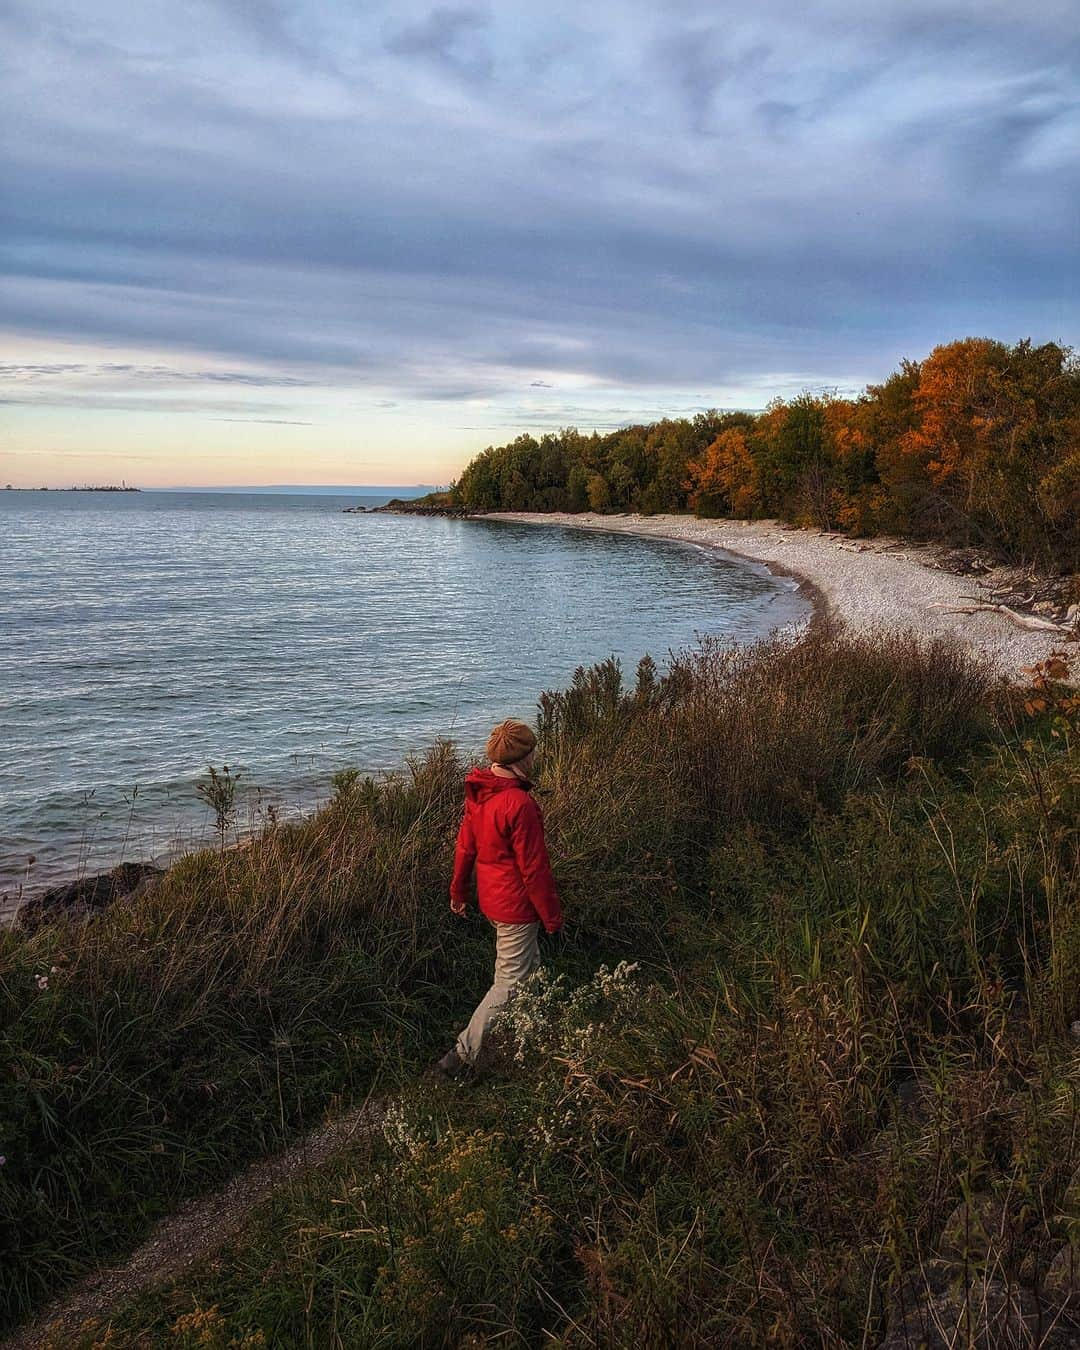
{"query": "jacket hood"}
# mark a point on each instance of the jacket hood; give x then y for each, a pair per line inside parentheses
(480, 784)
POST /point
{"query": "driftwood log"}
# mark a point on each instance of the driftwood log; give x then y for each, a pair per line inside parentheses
(1021, 620)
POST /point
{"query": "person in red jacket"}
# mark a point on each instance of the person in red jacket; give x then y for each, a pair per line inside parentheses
(502, 839)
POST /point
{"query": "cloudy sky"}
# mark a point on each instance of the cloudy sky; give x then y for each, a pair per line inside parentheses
(265, 241)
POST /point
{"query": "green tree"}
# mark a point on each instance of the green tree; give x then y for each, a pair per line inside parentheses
(598, 492)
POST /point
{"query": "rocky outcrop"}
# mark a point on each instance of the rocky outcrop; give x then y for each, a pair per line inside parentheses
(943, 1311)
(399, 507)
(984, 1288)
(88, 896)
(1061, 1284)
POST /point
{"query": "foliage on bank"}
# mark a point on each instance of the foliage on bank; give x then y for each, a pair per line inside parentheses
(848, 873)
(977, 444)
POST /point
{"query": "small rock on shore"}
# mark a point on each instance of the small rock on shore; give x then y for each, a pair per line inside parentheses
(88, 896)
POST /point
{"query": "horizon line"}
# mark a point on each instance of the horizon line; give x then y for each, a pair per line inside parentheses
(229, 487)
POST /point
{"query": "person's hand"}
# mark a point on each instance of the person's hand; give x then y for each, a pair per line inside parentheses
(457, 907)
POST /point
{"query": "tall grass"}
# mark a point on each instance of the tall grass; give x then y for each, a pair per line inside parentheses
(844, 865)
(150, 1052)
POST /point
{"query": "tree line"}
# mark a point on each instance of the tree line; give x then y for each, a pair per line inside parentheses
(978, 444)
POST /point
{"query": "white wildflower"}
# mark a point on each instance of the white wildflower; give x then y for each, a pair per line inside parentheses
(400, 1130)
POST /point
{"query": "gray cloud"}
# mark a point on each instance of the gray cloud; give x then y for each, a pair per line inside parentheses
(120, 402)
(451, 36)
(129, 371)
(433, 202)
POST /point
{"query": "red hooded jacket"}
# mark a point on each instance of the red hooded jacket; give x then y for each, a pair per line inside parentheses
(502, 835)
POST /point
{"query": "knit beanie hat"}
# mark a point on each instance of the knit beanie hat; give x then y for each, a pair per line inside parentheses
(509, 742)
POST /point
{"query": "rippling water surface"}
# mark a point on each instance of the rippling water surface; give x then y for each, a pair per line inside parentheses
(144, 636)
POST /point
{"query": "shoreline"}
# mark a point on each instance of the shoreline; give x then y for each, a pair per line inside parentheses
(821, 610)
(868, 585)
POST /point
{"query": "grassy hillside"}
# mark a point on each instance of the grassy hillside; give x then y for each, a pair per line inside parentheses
(847, 874)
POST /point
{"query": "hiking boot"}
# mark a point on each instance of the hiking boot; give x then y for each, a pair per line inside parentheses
(450, 1066)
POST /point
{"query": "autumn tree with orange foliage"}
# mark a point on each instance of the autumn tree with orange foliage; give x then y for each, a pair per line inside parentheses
(724, 480)
(992, 430)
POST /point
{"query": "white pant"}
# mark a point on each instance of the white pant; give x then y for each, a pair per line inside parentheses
(517, 955)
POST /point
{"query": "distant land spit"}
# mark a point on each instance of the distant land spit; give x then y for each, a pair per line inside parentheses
(291, 489)
(110, 487)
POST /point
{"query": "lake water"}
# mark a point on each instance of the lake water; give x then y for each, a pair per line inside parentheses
(145, 636)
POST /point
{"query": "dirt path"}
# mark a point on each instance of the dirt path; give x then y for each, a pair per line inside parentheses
(194, 1232)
